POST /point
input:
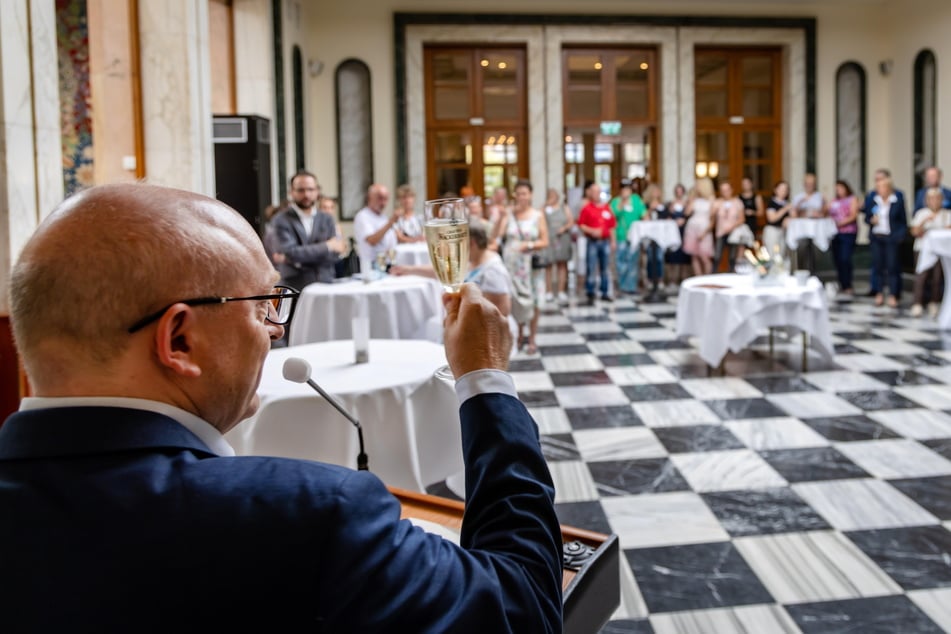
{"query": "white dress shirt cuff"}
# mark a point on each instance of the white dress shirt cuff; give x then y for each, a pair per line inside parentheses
(484, 382)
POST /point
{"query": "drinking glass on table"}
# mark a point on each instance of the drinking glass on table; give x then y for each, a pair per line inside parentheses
(447, 236)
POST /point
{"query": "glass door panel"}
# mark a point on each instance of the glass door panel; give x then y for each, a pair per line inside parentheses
(500, 152)
(450, 85)
(632, 85)
(583, 86)
(500, 95)
(738, 114)
(465, 85)
(453, 147)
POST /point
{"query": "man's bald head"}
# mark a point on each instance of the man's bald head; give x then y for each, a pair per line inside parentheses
(111, 254)
(377, 197)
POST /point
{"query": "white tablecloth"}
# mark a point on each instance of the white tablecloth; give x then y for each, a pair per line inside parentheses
(398, 308)
(935, 244)
(412, 254)
(664, 232)
(730, 318)
(819, 230)
(410, 419)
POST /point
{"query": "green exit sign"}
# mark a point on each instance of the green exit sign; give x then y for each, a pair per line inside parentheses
(611, 128)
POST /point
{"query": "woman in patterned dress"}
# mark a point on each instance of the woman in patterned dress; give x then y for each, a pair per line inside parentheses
(525, 232)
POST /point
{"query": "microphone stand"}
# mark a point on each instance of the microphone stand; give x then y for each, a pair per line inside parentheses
(362, 456)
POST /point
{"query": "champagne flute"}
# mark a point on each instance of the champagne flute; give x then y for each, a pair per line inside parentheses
(447, 235)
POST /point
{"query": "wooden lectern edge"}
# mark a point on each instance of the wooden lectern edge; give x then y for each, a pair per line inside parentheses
(449, 513)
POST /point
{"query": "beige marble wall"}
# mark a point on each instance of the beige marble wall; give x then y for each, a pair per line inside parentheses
(794, 91)
(176, 100)
(532, 38)
(31, 180)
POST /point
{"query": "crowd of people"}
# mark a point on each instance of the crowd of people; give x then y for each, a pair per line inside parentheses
(716, 225)
(539, 247)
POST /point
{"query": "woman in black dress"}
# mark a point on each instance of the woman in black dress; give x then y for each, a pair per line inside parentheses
(678, 261)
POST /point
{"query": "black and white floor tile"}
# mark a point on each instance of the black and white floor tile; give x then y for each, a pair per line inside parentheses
(764, 500)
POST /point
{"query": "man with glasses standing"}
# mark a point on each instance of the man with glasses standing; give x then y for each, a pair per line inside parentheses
(309, 246)
(143, 316)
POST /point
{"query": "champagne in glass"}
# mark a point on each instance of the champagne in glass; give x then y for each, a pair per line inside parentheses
(447, 235)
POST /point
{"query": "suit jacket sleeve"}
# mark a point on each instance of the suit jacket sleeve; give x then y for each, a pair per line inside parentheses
(505, 577)
(899, 221)
(868, 207)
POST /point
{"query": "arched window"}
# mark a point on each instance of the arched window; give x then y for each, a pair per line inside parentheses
(298, 78)
(850, 124)
(354, 136)
(925, 125)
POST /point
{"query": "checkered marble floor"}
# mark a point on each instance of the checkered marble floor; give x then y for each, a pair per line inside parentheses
(764, 500)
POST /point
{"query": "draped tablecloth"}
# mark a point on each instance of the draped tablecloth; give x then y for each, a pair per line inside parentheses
(727, 312)
(664, 232)
(936, 243)
(410, 418)
(819, 230)
(412, 254)
(398, 308)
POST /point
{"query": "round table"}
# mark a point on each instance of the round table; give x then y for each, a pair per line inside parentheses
(398, 308)
(412, 254)
(819, 230)
(664, 233)
(935, 244)
(410, 418)
(727, 311)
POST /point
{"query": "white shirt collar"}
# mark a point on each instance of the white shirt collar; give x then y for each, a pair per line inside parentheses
(891, 199)
(201, 428)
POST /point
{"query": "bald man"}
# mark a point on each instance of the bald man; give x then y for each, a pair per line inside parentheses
(372, 227)
(143, 316)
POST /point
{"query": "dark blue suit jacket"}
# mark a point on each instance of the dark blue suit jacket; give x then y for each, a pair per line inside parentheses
(122, 520)
(897, 215)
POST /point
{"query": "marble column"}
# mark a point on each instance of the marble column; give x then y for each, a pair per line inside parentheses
(31, 163)
(31, 176)
(176, 94)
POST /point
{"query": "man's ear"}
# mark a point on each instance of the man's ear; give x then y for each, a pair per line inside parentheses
(174, 341)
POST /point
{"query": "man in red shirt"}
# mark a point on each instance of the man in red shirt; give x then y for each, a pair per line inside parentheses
(597, 222)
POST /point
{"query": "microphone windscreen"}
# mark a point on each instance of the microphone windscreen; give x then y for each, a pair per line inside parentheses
(296, 370)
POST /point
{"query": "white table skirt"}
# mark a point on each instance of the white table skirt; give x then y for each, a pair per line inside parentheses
(410, 419)
(664, 232)
(819, 230)
(730, 318)
(412, 254)
(935, 244)
(398, 308)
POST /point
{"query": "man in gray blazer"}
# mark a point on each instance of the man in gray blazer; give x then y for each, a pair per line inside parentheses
(305, 239)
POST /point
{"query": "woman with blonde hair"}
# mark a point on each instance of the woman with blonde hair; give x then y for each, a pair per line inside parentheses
(698, 233)
(408, 227)
(886, 215)
(560, 222)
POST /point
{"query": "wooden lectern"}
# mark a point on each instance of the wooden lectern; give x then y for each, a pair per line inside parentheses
(591, 588)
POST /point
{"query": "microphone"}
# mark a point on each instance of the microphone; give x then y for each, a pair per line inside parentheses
(298, 371)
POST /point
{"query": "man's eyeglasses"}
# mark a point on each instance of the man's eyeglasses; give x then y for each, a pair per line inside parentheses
(279, 310)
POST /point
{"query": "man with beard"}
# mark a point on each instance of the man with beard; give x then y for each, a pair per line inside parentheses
(306, 238)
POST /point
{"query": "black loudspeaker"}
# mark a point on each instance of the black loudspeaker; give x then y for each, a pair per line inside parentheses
(243, 165)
